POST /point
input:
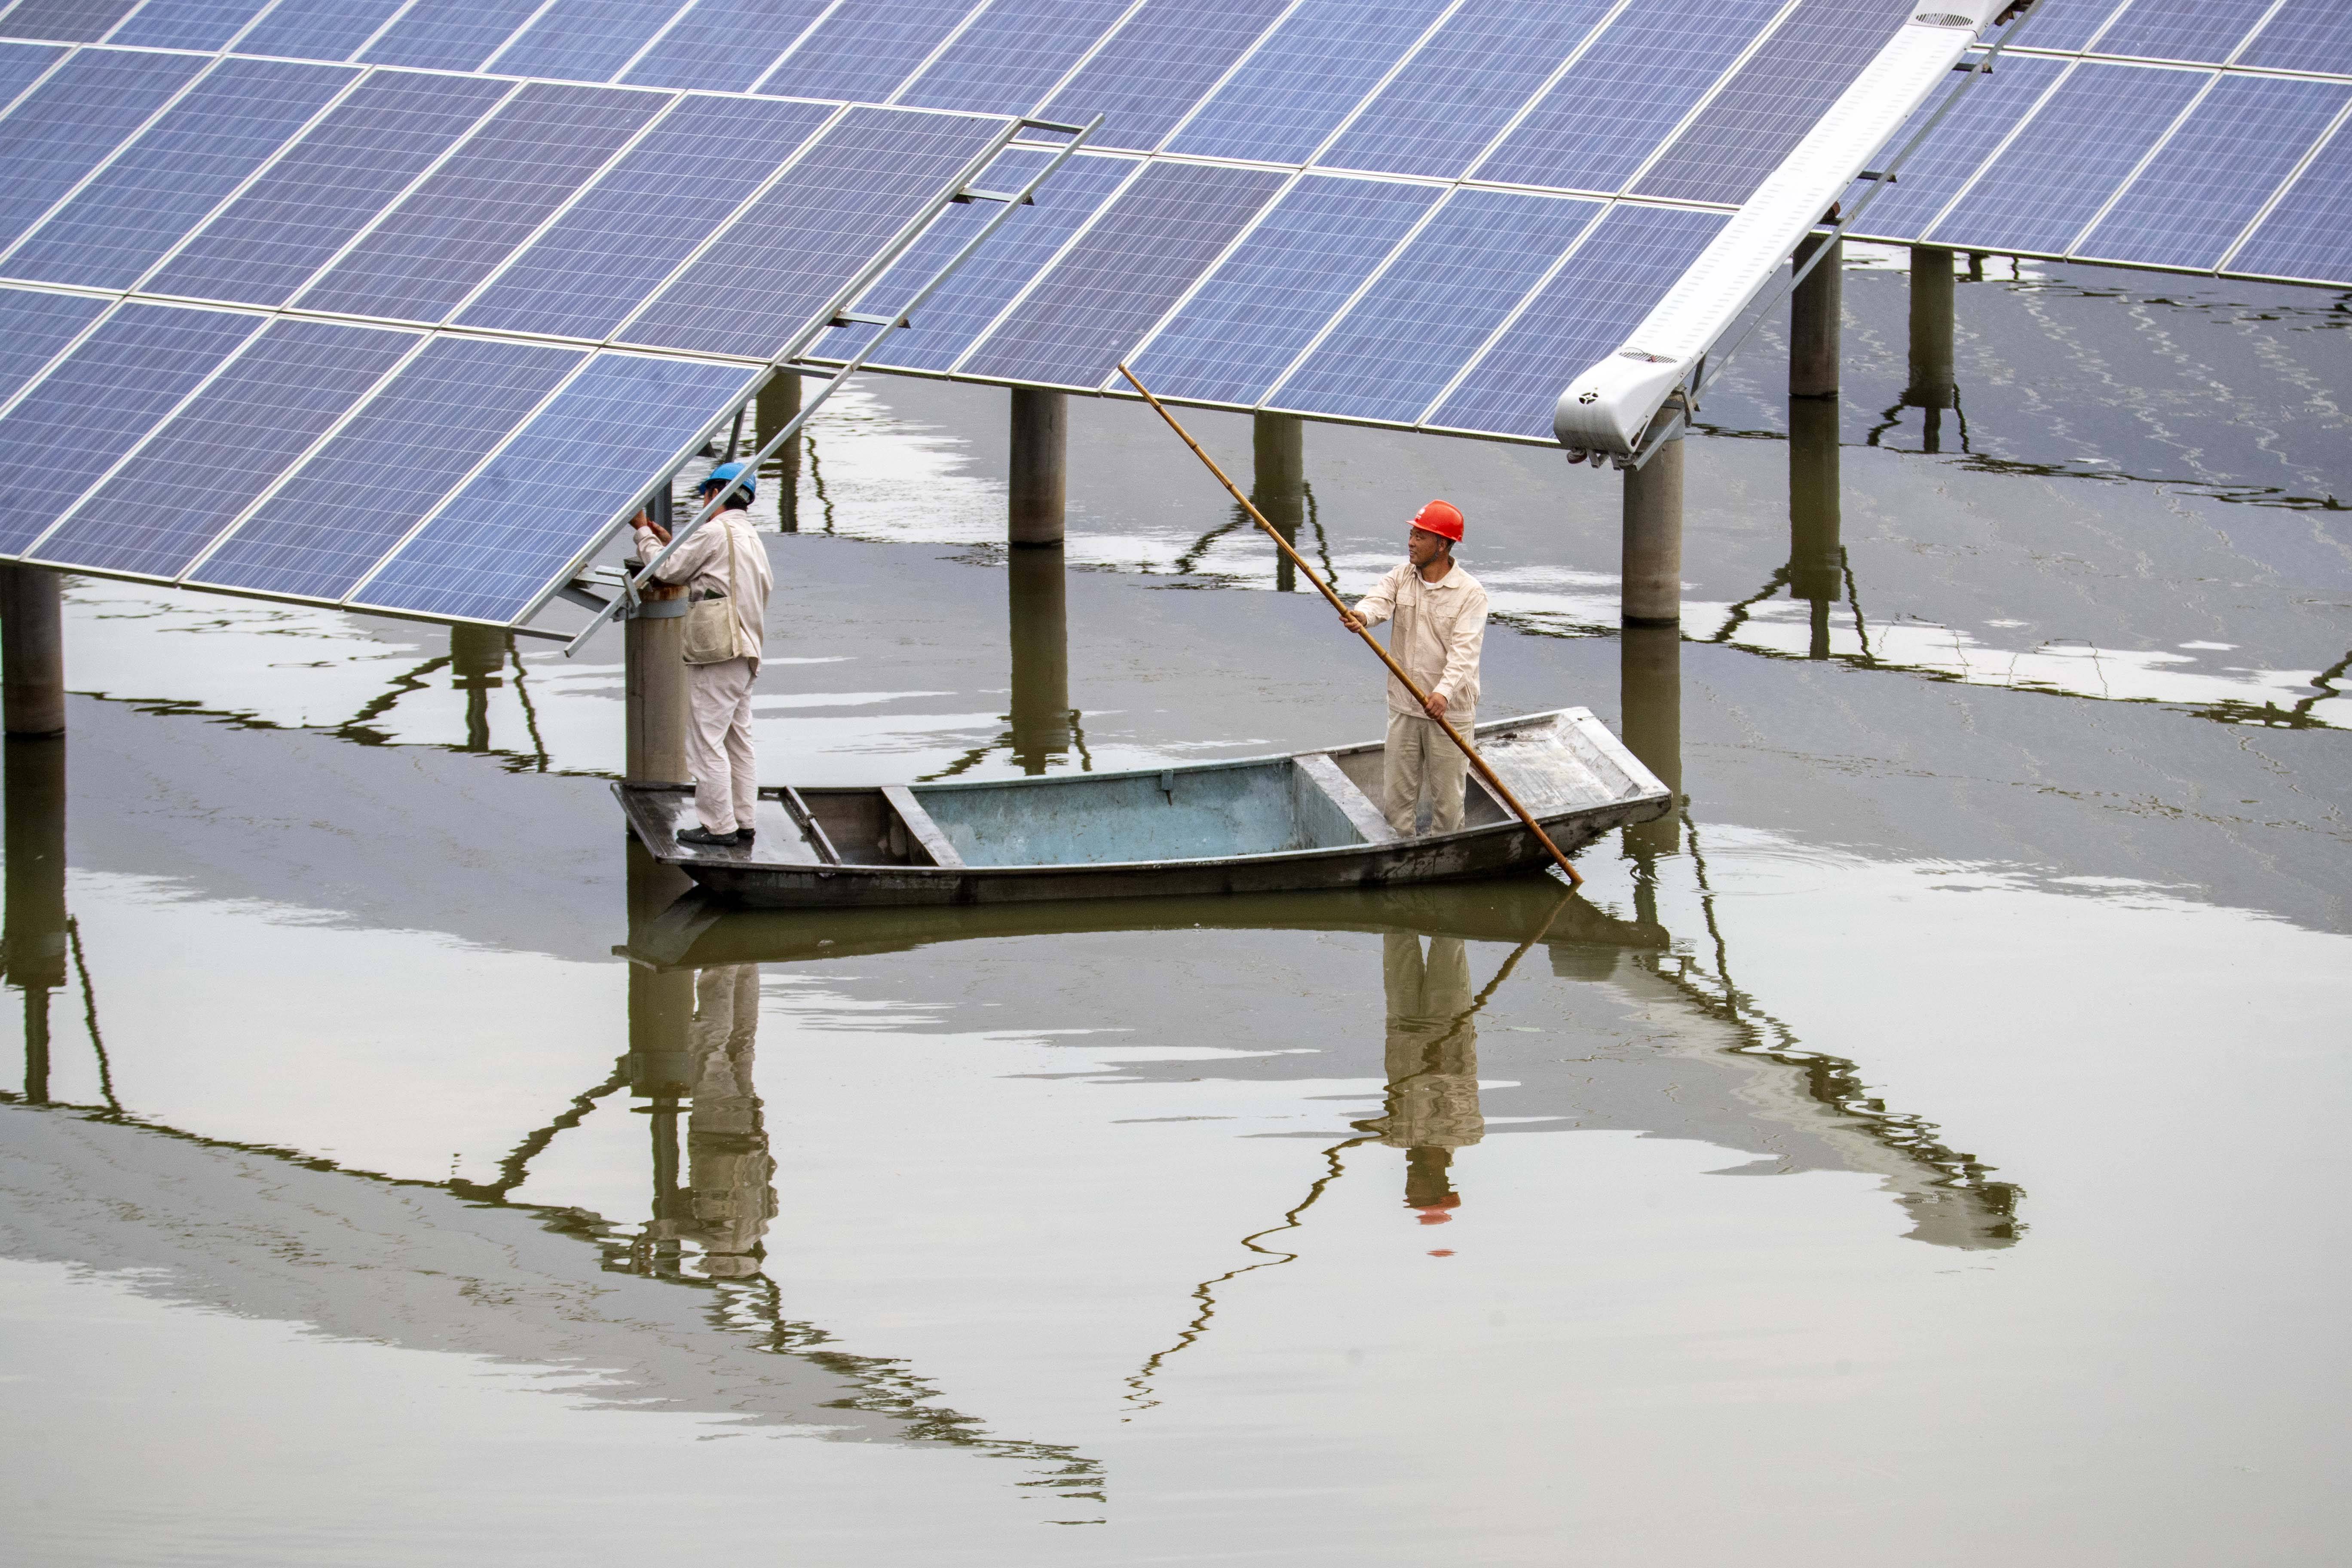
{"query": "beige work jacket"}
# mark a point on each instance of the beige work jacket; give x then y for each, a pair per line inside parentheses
(1440, 628)
(701, 563)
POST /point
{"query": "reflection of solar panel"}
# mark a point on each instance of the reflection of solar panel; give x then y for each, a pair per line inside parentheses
(2202, 135)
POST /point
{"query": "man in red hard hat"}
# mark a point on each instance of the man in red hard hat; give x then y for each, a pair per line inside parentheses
(1441, 624)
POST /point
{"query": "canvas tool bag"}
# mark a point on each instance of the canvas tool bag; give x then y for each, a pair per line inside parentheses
(713, 635)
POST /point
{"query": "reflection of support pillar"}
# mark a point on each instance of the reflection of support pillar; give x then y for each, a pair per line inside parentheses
(779, 401)
(477, 654)
(1039, 467)
(32, 651)
(1931, 388)
(652, 654)
(1039, 594)
(1816, 311)
(1650, 692)
(1816, 559)
(660, 1063)
(33, 938)
(1653, 563)
(1278, 442)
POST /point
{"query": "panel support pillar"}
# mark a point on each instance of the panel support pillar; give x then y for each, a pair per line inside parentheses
(1039, 467)
(32, 651)
(1278, 485)
(33, 937)
(779, 403)
(1816, 312)
(1932, 384)
(653, 657)
(1653, 549)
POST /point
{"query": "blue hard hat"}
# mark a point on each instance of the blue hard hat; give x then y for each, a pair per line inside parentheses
(726, 471)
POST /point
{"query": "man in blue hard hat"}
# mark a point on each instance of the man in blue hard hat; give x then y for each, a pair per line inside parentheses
(725, 569)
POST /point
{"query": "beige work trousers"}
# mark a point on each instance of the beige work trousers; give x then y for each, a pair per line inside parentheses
(718, 744)
(1421, 760)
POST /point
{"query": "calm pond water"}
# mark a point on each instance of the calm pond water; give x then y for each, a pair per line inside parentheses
(1923, 1147)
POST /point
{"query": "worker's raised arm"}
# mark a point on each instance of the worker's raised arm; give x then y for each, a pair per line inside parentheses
(695, 554)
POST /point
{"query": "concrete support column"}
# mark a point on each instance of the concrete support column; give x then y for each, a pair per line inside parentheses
(1650, 696)
(653, 679)
(32, 651)
(1039, 467)
(1932, 385)
(1278, 485)
(1816, 311)
(1652, 551)
(778, 403)
(1038, 593)
(33, 933)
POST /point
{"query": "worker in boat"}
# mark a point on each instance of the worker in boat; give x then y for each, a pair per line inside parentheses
(1432, 1067)
(722, 560)
(1440, 612)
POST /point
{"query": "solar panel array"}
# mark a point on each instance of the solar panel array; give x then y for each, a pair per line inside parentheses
(2210, 136)
(389, 338)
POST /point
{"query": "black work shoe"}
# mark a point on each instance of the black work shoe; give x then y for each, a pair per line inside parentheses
(744, 836)
(703, 835)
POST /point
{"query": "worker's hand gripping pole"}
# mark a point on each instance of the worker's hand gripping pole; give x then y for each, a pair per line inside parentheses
(1501, 790)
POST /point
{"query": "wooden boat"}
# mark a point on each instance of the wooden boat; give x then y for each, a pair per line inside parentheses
(1280, 824)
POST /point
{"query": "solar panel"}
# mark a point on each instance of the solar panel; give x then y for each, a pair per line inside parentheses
(318, 29)
(2182, 29)
(804, 239)
(1625, 94)
(448, 35)
(1465, 85)
(1632, 258)
(864, 52)
(310, 203)
(430, 252)
(1012, 56)
(2216, 171)
(1396, 348)
(67, 21)
(63, 128)
(1295, 91)
(2101, 122)
(21, 65)
(410, 444)
(34, 328)
(2305, 236)
(1990, 109)
(723, 46)
(582, 41)
(1122, 274)
(2307, 35)
(1771, 101)
(213, 458)
(118, 381)
(1262, 305)
(637, 224)
(202, 25)
(1158, 66)
(550, 494)
(2067, 24)
(165, 183)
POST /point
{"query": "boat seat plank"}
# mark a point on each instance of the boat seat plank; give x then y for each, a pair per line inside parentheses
(919, 826)
(660, 815)
(1318, 768)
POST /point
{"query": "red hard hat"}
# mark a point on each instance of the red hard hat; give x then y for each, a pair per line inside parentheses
(1442, 518)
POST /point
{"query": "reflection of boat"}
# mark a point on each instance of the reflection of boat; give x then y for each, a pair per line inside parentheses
(1260, 824)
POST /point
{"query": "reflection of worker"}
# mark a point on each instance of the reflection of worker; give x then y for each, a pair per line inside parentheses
(728, 1201)
(1440, 623)
(722, 559)
(1432, 1067)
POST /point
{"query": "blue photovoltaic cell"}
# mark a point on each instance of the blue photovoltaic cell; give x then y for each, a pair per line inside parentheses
(2182, 29)
(380, 475)
(65, 127)
(978, 293)
(617, 243)
(449, 34)
(2038, 195)
(1453, 286)
(807, 236)
(1627, 93)
(218, 454)
(1158, 66)
(122, 379)
(583, 40)
(317, 29)
(163, 184)
(1011, 57)
(2063, 24)
(1991, 107)
(308, 206)
(864, 52)
(1765, 109)
(1464, 85)
(556, 489)
(1243, 327)
(67, 21)
(1582, 314)
(1294, 91)
(205, 24)
(1160, 234)
(33, 328)
(438, 245)
(2309, 235)
(724, 46)
(21, 65)
(2198, 193)
(2307, 35)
